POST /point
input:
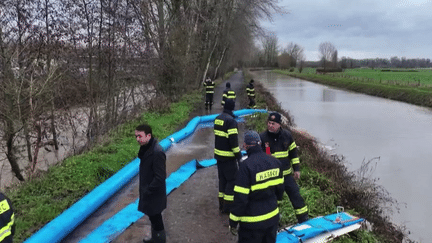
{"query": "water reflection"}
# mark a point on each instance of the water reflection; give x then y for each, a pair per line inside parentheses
(328, 95)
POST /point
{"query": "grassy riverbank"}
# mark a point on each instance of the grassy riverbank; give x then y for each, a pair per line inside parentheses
(325, 183)
(41, 199)
(381, 84)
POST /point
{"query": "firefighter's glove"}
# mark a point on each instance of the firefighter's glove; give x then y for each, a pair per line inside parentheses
(233, 230)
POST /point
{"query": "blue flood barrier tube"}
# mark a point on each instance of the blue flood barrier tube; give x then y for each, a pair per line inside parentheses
(63, 224)
(66, 222)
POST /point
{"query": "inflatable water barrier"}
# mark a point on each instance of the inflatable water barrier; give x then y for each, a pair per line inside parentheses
(67, 221)
(320, 229)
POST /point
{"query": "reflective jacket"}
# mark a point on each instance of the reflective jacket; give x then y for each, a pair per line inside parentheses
(7, 218)
(258, 187)
(283, 147)
(209, 85)
(228, 94)
(226, 137)
(250, 90)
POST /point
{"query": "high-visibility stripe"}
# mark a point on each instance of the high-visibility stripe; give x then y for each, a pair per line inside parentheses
(4, 206)
(264, 175)
(267, 184)
(280, 155)
(292, 146)
(241, 190)
(232, 131)
(301, 210)
(236, 149)
(221, 194)
(287, 172)
(221, 133)
(295, 161)
(228, 197)
(7, 230)
(254, 219)
(224, 153)
(210, 92)
(219, 122)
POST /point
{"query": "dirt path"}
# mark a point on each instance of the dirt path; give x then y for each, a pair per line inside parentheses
(192, 214)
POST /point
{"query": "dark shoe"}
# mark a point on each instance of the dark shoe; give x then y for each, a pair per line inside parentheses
(302, 218)
(157, 237)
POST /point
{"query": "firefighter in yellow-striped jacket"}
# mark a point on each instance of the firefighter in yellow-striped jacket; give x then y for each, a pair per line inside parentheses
(209, 89)
(227, 154)
(228, 94)
(280, 144)
(7, 226)
(250, 91)
(258, 187)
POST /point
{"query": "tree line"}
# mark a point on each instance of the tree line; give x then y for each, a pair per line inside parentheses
(109, 57)
(292, 56)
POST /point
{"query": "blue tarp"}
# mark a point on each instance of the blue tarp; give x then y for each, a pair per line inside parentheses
(316, 226)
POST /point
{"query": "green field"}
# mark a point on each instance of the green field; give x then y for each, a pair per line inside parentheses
(412, 77)
(410, 86)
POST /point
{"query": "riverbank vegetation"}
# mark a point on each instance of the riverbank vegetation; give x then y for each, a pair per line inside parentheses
(47, 194)
(325, 182)
(410, 87)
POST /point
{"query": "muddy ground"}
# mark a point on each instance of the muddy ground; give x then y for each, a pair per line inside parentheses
(192, 214)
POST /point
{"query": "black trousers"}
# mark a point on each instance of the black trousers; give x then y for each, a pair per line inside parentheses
(156, 222)
(293, 191)
(209, 99)
(267, 235)
(251, 102)
(227, 171)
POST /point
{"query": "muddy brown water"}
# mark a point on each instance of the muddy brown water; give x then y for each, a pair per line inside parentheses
(396, 137)
(192, 213)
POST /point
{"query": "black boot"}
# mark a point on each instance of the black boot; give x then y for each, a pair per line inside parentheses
(157, 237)
(221, 205)
(302, 218)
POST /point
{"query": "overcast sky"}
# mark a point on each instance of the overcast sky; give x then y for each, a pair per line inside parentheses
(357, 28)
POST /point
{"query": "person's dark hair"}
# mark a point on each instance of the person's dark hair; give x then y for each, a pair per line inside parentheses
(144, 128)
(228, 85)
(251, 81)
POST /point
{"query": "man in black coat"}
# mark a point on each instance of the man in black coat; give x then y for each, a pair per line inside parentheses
(152, 186)
(7, 226)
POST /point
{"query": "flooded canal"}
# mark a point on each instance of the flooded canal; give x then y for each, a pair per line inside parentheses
(395, 136)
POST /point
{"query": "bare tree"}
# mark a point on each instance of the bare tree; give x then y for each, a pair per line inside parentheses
(295, 51)
(326, 50)
(334, 58)
(270, 49)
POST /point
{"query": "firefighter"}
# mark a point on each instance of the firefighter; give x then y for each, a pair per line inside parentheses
(279, 143)
(250, 90)
(227, 154)
(7, 218)
(258, 187)
(228, 93)
(209, 88)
